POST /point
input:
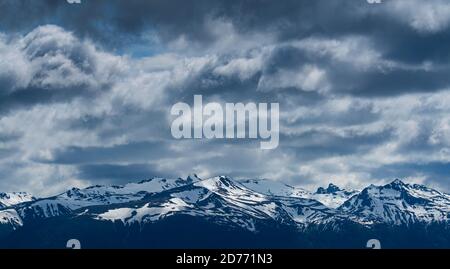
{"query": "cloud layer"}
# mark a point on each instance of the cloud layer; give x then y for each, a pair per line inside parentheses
(86, 90)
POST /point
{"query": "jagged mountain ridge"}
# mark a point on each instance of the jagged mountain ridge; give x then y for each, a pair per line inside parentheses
(74, 199)
(331, 197)
(10, 216)
(243, 206)
(398, 203)
(219, 199)
(14, 198)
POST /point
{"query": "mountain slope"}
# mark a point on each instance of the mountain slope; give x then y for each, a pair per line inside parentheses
(75, 198)
(331, 197)
(226, 202)
(67, 203)
(398, 203)
(274, 188)
(9, 217)
(252, 213)
(14, 198)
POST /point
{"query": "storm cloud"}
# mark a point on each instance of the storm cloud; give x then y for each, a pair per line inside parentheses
(86, 90)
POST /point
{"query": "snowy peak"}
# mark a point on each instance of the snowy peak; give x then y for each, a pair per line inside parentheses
(219, 200)
(11, 218)
(8, 215)
(14, 198)
(274, 188)
(103, 195)
(244, 203)
(397, 184)
(97, 195)
(398, 203)
(193, 178)
(230, 189)
(224, 201)
(331, 197)
(335, 190)
(331, 189)
(221, 184)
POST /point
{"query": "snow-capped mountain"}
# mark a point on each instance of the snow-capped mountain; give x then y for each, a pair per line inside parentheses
(331, 197)
(28, 207)
(9, 216)
(224, 204)
(14, 198)
(398, 203)
(274, 188)
(98, 195)
(240, 203)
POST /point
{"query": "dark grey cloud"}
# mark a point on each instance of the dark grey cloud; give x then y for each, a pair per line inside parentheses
(113, 22)
(435, 174)
(31, 96)
(386, 76)
(120, 174)
(135, 151)
(5, 153)
(395, 82)
(313, 145)
(8, 137)
(86, 89)
(353, 116)
(406, 45)
(50, 65)
(293, 19)
(116, 22)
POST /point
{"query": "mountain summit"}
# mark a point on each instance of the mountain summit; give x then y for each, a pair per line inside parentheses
(14, 198)
(251, 208)
(398, 203)
(331, 189)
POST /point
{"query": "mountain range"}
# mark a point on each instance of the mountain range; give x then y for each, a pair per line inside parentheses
(221, 212)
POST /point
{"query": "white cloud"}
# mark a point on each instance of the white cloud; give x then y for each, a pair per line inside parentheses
(355, 50)
(53, 58)
(307, 78)
(244, 68)
(425, 16)
(15, 71)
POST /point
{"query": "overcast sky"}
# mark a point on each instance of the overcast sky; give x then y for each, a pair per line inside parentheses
(86, 90)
